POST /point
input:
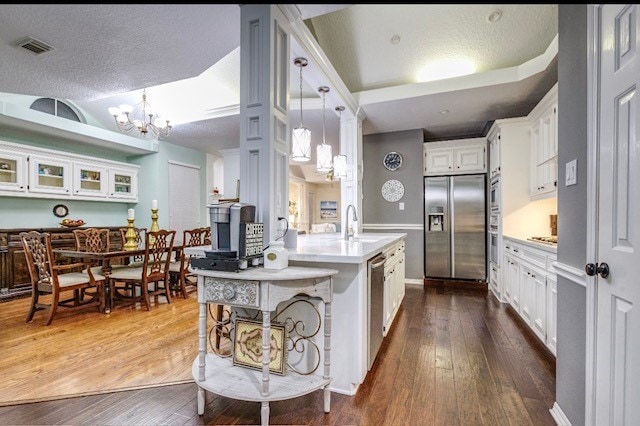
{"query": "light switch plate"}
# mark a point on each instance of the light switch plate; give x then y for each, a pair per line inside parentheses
(401, 206)
(571, 173)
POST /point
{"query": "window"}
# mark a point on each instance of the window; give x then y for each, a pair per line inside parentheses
(55, 107)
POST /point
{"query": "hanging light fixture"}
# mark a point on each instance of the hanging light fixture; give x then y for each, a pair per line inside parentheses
(340, 161)
(301, 137)
(323, 151)
(141, 117)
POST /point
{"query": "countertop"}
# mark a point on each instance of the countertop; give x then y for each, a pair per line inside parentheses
(546, 247)
(331, 248)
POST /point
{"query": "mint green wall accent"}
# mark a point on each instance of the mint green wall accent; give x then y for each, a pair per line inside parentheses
(17, 212)
(41, 141)
(153, 182)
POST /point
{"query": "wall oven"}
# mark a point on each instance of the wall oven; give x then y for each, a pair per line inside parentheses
(494, 195)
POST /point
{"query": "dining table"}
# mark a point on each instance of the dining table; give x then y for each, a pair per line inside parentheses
(105, 258)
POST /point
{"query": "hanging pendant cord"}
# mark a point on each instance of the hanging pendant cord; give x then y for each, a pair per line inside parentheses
(300, 96)
(323, 139)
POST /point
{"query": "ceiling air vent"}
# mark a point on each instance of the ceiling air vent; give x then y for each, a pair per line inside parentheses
(34, 46)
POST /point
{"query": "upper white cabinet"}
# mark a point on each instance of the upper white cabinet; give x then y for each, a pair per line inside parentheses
(494, 154)
(43, 173)
(544, 146)
(90, 179)
(123, 183)
(455, 157)
(13, 171)
(49, 175)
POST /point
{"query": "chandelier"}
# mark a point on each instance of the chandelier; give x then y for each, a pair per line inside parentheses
(323, 151)
(301, 138)
(141, 117)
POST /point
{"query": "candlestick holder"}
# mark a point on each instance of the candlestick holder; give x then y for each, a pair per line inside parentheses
(154, 224)
(130, 236)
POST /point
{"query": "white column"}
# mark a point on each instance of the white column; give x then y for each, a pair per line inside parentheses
(264, 106)
(351, 146)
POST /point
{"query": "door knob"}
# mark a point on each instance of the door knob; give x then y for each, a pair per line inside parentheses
(592, 269)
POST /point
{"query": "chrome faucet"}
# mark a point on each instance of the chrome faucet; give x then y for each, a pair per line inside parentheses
(348, 231)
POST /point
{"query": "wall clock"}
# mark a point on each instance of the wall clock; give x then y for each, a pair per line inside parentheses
(392, 190)
(392, 161)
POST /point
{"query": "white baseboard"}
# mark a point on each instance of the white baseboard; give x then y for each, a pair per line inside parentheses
(558, 415)
(413, 281)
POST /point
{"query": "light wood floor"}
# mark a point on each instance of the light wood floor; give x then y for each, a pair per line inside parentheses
(85, 352)
(453, 357)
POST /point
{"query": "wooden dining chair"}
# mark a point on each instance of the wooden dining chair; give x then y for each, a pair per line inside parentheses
(207, 235)
(47, 278)
(153, 272)
(181, 277)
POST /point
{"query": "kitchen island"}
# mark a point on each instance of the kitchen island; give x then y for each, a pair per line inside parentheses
(350, 307)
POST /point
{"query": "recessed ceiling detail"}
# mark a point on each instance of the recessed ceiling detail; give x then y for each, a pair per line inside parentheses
(34, 46)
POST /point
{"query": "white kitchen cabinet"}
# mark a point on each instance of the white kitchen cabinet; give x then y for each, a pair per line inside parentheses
(123, 183)
(494, 154)
(394, 276)
(13, 171)
(544, 146)
(552, 313)
(90, 179)
(33, 172)
(49, 175)
(455, 156)
(530, 284)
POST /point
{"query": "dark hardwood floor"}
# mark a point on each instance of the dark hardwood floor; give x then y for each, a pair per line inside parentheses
(453, 357)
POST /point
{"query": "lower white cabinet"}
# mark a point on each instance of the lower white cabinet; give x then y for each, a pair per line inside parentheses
(531, 289)
(394, 290)
(552, 313)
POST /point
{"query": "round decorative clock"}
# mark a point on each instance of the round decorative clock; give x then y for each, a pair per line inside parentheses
(392, 161)
(392, 190)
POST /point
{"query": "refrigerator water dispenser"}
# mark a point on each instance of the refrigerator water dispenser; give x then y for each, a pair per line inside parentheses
(436, 218)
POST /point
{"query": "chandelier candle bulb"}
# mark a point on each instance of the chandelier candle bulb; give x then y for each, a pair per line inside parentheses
(130, 214)
(154, 204)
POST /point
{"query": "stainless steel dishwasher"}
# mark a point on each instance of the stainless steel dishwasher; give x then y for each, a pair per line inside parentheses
(375, 302)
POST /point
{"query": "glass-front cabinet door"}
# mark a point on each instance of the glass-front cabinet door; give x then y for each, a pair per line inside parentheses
(13, 171)
(123, 183)
(49, 175)
(90, 180)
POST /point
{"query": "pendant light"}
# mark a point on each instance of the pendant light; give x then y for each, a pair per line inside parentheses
(301, 137)
(340, 161)
(323, 151)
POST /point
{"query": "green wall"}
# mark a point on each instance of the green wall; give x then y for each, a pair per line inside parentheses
(21, 212)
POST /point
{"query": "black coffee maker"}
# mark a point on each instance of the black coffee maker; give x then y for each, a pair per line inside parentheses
(236, 238)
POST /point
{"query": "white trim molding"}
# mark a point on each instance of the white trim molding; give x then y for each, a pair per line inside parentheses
(413, 281)
(178, 163)
(576, 275)
(559, 416)
(390, 226)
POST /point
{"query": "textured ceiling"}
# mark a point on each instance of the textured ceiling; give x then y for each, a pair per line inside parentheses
(105, 54)
(357, 39)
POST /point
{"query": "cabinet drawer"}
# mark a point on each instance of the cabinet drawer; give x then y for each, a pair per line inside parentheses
(231, 292)
(534, 257)
(512, 248)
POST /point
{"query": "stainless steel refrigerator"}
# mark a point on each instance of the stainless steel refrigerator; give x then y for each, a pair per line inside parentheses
(455, 227)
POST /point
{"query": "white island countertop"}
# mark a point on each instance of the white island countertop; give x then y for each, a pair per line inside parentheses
(331, 248)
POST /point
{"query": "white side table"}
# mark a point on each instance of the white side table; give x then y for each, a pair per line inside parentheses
(263, 289)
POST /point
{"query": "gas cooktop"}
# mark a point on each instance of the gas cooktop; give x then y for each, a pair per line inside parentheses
(545, 240)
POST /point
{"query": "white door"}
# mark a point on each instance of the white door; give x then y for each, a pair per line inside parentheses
(184, 198)
(617, 344)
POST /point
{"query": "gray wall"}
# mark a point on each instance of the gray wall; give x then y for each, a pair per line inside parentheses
(376, 210)
(572, 205)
